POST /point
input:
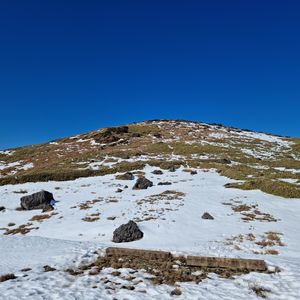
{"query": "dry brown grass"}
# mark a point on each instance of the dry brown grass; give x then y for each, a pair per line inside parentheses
(41, 218)
(91, 218)
(271, 252)
(162, 270)
(260, 291)
(22, 229)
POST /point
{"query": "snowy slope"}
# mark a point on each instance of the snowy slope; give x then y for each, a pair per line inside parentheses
(66, 240)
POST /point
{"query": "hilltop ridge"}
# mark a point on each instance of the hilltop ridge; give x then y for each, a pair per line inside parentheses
(256, 159)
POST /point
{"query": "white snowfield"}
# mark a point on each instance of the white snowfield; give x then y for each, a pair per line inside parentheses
(65, 240)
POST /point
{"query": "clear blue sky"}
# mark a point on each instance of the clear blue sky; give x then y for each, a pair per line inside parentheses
(68, 67)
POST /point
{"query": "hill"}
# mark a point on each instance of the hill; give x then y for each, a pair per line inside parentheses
(258, 160)
(211, 191)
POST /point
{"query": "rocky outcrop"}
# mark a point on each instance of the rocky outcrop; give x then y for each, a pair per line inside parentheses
(127, 233)
(111, 134)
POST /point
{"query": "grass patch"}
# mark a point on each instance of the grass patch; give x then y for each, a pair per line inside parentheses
(143, 129)
(40, 218)
(278, 188)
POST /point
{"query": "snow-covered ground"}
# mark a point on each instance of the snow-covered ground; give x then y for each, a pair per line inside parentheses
(66, 240)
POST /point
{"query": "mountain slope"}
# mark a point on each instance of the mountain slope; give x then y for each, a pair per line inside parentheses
(194, 168)
(260, 161)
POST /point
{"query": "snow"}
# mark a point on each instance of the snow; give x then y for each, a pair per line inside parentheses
(17, 165)
(65, 240)
(7, 152)
(283, 169)
(265, 137)
(257, 153)
(4, 166)
(289, 180)
(27, 166)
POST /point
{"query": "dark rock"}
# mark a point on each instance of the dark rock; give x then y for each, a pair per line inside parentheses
(48, 207)
(194, 172)
(173, 169)
(11, 224)
(119, 190)
(157, 172)
(125, 176)
(136, 134)
(6, 277)
(2, 208)
(38, 200)
(125, 186)
(115, 130)
(207, 216)
(225, 161)
(127, 233)
(26, 270)
(157, 135)
(164, 183)
(142, 183)
(176, 292)
(48, 269)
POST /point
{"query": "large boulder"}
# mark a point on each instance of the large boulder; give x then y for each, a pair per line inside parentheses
(127, 233)
(39, 200)
(142, 183)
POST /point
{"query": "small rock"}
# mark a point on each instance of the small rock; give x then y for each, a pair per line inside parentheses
(26, 270)
(119, 190)
(48, 269)
(157, 135)
(115, 273)
(142, 183)
(127, 233)
(128, 287)
(207, 216)
(172, 169)
(164, 183)
(94, 272)
(225, 161)
(136, 134)
(193, 172)
(11, 224)
(176, 292)
(157, 172)
(125, 176)
(2, 208)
